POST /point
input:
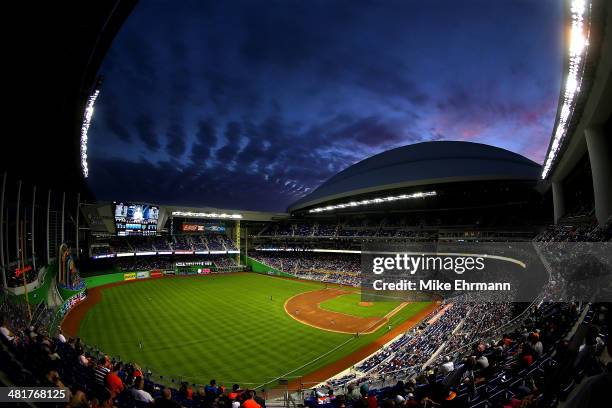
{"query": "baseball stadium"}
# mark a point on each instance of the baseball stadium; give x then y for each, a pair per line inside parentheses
(141, 303)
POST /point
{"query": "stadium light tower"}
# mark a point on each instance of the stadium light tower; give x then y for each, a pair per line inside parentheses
(576, 56)
(87, 115)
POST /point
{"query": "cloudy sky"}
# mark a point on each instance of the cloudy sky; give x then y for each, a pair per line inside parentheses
(251, 104)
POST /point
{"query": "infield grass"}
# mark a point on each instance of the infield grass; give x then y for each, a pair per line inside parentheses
(230, 327)
(349, 304)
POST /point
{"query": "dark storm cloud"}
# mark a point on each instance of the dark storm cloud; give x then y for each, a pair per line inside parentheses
(206, 103)
(145, 129)
(232, 142)
(175, 140)
(369, 131)
(115, 123)
(163, 183)
(227, 92)
(206, 138)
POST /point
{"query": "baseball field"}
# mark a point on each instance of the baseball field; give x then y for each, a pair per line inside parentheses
(243, 327)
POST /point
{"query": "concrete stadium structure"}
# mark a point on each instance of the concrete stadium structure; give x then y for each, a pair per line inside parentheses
(589, 126)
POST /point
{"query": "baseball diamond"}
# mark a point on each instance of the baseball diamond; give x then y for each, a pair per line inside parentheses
(205, 322)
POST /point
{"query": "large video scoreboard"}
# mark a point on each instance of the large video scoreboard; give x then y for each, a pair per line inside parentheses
(135, 219)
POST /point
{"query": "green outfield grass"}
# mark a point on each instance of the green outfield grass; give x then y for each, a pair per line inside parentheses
(349, 304)
(222, 326)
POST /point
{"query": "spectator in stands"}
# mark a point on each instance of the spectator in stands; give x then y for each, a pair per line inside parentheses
(587, 351)
(249, 401)
(259, 400)
(138, 392)
(113, 382)
(105, 400)
(535, 345)
(352, 394)
(6, 332)
(102, 370)
(340, 401)
(61, 337)
(368, 400)
(83, 360)
(166, 401)
(330, 395)
(52, 379)
(447, 366)
(186, 391)
(235, 393)
(78, 400)
(411, 402)
(211, 390)
(200, 396)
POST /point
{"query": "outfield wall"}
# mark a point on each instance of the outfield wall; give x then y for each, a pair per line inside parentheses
(114, 277)
(107, 278)
(260, 267)
(99, 280)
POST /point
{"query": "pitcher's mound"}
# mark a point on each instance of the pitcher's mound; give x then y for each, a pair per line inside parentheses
(366, 304)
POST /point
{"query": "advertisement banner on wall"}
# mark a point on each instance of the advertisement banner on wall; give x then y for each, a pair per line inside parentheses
(156, 274)
(129, 276)
(204, 271)
(70, 303)
(169, 272)
(142, 275)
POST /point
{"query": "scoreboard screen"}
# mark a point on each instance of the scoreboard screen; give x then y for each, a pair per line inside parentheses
(135, 219)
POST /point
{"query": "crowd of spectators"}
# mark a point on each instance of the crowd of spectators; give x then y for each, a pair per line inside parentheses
(100, 249)
(404, 226)
(333, 230)
(341, 278)
(120, 244)
(582, 232)
(184, 242)
(224, 262)
(331, 268)
(515, 369)
(536, 365)
(168, 262)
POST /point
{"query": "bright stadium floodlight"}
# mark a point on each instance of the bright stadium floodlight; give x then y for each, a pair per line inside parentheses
(578, 47)
(206, 215)
(89, 110)
(374, 201)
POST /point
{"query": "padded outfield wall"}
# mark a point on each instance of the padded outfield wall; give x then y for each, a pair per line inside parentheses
(260, 267)
(103, 279)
